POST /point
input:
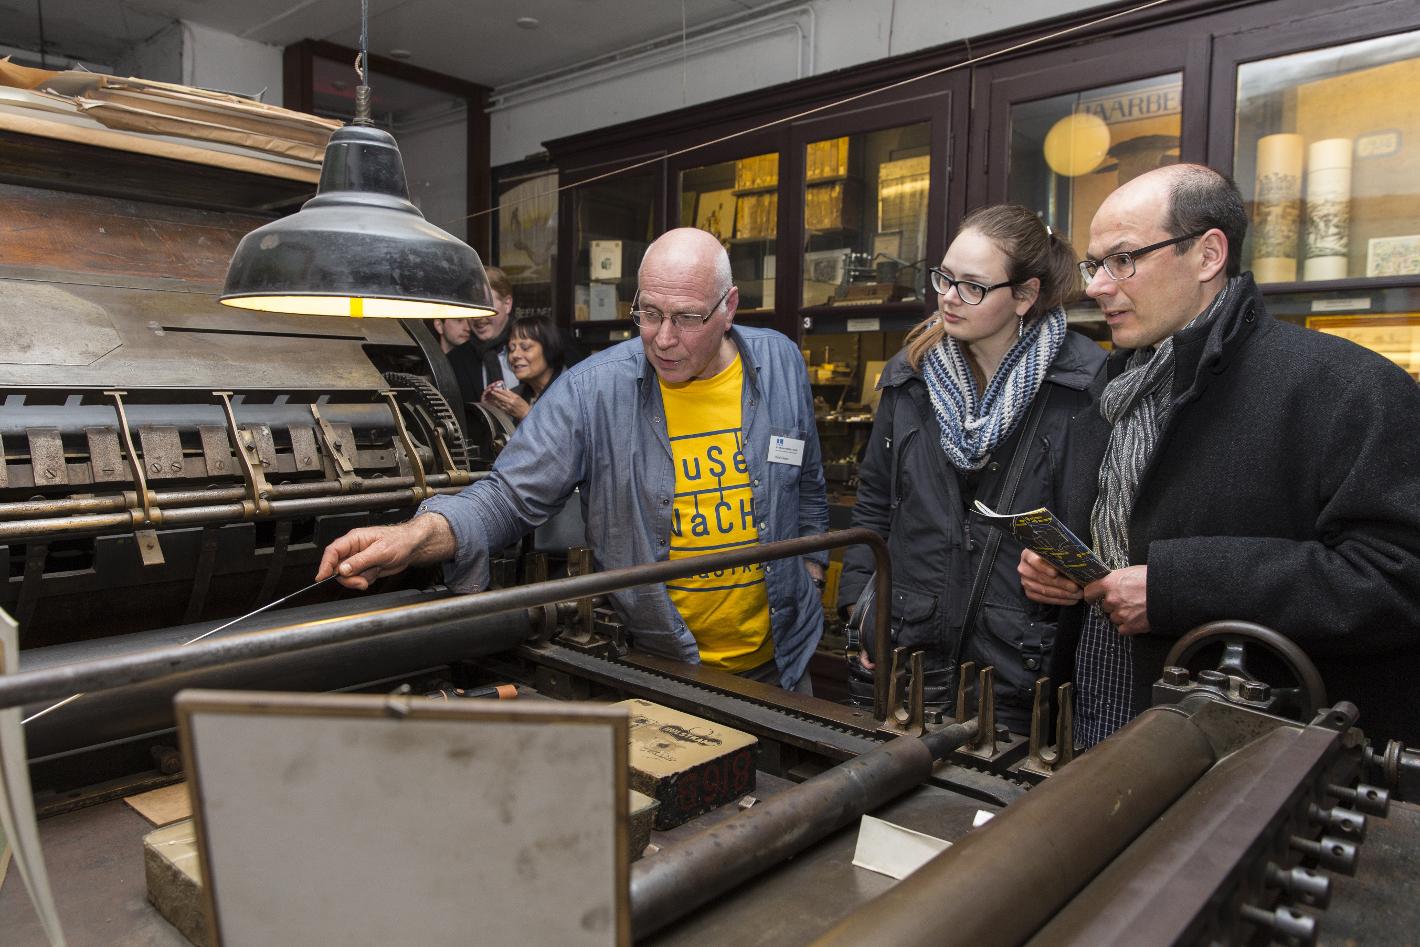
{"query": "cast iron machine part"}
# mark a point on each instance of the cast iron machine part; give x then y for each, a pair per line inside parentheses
(683, 877)
(1254, 817)
(118, 511)
(224, 494)
(1304, 696)
(128, 713)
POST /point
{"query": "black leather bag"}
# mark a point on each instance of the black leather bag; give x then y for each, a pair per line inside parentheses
(858, 629)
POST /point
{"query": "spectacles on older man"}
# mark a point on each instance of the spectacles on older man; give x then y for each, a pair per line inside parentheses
(1121, 265)
(684, 321)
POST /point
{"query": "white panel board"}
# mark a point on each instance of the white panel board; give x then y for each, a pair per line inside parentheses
(368, 819)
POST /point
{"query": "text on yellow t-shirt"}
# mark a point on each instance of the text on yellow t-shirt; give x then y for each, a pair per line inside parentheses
(727, 610)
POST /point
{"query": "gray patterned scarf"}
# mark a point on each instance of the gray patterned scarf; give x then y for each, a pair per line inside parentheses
(1137, 404)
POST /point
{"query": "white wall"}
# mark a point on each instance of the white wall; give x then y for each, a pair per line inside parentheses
(159, 57)
(435, 152)
(814, 38)
(212, 59)
(774, 49)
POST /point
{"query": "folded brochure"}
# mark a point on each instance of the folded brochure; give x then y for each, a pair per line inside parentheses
(1040, 530)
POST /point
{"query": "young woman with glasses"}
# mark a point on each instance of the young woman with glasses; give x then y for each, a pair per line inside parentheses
(955, 407)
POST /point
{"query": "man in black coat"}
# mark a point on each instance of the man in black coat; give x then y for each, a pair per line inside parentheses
(1236, 467)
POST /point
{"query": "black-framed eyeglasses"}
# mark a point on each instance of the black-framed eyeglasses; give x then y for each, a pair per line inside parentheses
(968, 292)
(684, 321)
(1121, 265)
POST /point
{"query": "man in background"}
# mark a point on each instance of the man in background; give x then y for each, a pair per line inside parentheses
(482, 360)
(451, 333)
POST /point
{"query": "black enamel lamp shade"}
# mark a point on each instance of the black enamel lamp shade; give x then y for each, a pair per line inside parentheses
(359, 247)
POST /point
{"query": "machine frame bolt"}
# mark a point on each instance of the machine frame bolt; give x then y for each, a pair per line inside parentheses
(1255, 691)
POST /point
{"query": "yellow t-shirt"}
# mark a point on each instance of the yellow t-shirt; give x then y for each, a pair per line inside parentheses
(727, 611)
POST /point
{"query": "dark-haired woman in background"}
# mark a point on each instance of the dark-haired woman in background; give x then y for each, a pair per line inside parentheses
(537, 355)
(955, 405)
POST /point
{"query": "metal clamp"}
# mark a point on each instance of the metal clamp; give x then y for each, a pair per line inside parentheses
(966, 673)
(253, 470)
(458, 477)
(1043, 760)
(149, 548)
(579, 562)
(420, 488)
(984, 743)
(334, 449)
(907, 712)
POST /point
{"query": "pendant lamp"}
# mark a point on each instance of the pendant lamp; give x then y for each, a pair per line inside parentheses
(359, 247)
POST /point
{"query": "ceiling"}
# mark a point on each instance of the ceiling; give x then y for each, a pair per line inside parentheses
(476, 40)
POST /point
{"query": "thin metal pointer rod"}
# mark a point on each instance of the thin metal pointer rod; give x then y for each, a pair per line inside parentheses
(257, 611)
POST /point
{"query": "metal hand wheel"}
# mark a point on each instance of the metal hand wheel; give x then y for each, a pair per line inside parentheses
(1298, 698)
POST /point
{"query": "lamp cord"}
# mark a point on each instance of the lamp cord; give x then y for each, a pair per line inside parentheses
(39, 11)
(364, 40)
(362, 63)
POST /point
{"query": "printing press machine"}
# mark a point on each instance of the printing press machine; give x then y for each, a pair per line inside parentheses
(169, 464)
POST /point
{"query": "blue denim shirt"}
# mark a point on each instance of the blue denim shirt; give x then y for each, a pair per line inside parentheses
(601, 427)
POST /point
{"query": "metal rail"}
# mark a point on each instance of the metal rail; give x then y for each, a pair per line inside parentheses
(97, 524)
(27, 687)
(172, 499)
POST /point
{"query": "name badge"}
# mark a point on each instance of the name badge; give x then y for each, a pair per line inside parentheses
(786, 450)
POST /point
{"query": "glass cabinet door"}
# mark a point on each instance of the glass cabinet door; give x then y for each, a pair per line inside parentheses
(738, 202)
(865, 217)
(1068, 152)
(614, 223)
(1325, 153)
(527, 238)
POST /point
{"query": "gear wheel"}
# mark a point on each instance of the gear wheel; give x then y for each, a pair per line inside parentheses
(431, 412)
(489, 427)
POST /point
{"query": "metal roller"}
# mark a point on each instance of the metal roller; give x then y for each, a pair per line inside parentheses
(1164, 887)
(1002, 882)
(126, 712)
(685, 876)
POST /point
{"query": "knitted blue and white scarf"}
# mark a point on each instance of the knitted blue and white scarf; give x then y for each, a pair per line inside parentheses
(973, 426)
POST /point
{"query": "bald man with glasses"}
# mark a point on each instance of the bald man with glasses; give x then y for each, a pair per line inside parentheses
(696, 437)
(1234, 466)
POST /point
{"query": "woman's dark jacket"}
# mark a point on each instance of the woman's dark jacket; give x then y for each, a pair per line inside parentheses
(1284, 490)
(911, 495)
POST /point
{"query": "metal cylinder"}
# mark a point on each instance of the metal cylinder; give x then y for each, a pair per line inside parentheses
(1004, 880)
(124, 712)
(50, 683)
(683, 877)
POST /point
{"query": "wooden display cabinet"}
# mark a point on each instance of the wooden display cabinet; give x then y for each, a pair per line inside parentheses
(1151, 76)
(755, 191)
